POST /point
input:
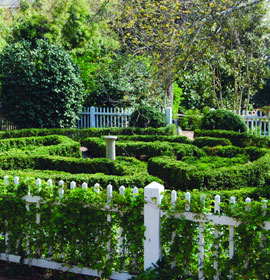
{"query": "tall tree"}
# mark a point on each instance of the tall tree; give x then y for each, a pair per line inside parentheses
(240, 52)
(173, 34)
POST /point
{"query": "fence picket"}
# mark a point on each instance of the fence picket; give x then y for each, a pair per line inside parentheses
(121, 240)
(187, 198)
(109, 216)
(173, 201)
(96, 188)
(216, 235)
(72, 185)
(201, 251)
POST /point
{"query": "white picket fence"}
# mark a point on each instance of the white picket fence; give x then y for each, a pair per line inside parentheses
(109, 117)
(153, 194)
(258, 122)
(104, 117)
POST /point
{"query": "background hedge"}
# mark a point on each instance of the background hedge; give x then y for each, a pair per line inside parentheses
(142, 150)
(79, 134)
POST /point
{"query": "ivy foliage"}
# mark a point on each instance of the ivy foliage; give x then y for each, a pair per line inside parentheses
(80, 226)
(180, 238)
(41, 85)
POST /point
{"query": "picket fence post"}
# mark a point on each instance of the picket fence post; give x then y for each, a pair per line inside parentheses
(92, 117)
(153, 196)
(169, 115)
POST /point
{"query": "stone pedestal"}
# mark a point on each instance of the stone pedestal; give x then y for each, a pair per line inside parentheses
(110, 146)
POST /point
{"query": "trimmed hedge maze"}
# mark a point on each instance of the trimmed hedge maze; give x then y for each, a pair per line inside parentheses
(215, 160)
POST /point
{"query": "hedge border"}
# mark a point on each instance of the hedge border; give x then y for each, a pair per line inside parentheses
(181, 176)
(78, 134)
(238, 139)
(54, 145)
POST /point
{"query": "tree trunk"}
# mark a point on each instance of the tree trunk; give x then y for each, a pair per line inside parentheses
(169, 97)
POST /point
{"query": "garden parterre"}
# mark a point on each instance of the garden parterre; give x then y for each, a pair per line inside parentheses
(214, 160)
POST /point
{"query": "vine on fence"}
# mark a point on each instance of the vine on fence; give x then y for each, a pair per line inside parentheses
(179, 238)
(76, 231)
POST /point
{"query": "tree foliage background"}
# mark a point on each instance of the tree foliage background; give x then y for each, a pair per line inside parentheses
(135, 52)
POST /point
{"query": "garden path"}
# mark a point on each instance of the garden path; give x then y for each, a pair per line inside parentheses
(188, 134)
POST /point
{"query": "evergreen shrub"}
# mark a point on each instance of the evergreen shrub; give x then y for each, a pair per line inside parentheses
(224, 151)
(97, 148)
(211, 141)
(43, 145)
(152, 138)
(182, 176)
(119, 167)
(142, 150)
(140, 179)
(223, 119)
(237, 139)
(146, 116)
(79, 134)
(40, 85)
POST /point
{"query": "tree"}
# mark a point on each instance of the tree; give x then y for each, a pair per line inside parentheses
(41, 85)
(240, 52)
(172, 33)
(124, 82)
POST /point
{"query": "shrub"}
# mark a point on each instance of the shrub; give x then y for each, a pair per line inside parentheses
(211, 142)
(119, 167)
(222, 119)
(41, 85)
(140, 179)
(142, 150)
(206, 162)
(43, 145)
(152, 138)
(96, 147)
(79, 134)
(224, 151)
(238, 139)
(191, 120)
(182, 176)
(146, 116)
(183, 150)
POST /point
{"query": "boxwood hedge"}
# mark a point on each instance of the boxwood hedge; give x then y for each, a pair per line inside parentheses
(135, 180)
(182, 176)
(47, 145)
(236, 138)
(142, 150)
(127, 171)
(78, 134)
(211, 141)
